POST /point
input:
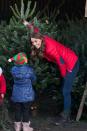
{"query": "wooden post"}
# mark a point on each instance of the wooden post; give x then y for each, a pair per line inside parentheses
(82, 104)
(86, 9)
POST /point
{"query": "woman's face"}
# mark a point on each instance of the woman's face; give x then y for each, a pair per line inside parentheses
(36, 42)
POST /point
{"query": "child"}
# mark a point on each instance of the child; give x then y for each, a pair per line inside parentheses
(2, 87)
(22, 93)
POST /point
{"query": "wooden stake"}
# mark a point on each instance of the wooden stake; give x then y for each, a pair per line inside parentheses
(86, 9)
(82, 104)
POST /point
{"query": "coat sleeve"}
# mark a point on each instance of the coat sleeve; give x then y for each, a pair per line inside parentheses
(61, 65)
(49, 59)
(2, 84)
(62, 68)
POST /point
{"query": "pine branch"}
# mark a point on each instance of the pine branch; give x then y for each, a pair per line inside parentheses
(23, 14)
(16, 8)
(22, 9)
(27, 10)
(14, 12)
(32, 10)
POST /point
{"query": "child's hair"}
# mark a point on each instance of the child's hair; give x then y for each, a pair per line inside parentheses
(37, 52)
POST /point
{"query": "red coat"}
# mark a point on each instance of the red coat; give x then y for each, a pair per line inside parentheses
(2, 85)
(55, 51)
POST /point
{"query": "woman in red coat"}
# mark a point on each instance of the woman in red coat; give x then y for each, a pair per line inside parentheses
(66, 60)
(2, 86)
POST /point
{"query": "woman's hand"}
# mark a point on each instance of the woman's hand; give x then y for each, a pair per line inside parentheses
(69, 70)
(25, 22)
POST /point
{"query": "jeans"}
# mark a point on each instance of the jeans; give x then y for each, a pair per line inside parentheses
(21, 111)
(67, 87)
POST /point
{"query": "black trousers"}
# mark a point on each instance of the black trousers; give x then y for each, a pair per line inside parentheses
(22, 111)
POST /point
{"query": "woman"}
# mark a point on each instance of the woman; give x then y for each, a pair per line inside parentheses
(66, 60)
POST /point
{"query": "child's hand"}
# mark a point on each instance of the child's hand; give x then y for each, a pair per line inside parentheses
(2, 96)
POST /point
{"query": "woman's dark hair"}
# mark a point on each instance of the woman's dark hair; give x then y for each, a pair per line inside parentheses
(36, 36)
(34, 51)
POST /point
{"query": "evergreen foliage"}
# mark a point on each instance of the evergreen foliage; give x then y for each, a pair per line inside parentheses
(5, 121)
(22, 14)
(15, 38)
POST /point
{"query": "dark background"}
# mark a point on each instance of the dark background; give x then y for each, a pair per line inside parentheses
(72, 8)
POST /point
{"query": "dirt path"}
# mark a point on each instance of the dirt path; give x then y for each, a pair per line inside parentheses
(40, 122)
(43, 124)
